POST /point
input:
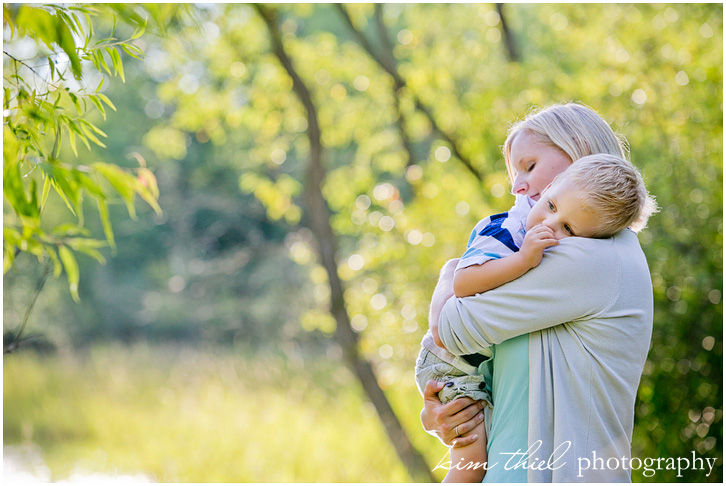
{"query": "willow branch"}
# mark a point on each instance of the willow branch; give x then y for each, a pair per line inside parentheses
(389, 65)
(38, 288)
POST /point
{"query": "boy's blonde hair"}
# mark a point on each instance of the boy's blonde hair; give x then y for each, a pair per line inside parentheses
(575, 129)
(613, 190)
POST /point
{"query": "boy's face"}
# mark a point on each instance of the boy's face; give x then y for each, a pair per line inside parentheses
(561, 209)
(536, 164)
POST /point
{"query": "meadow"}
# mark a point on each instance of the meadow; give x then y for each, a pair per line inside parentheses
(179, 414)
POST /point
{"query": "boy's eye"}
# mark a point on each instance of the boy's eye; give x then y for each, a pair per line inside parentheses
(551, 206)
(569, 230)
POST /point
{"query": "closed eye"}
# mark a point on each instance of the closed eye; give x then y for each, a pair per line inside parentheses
(569, 230)
(530, 168)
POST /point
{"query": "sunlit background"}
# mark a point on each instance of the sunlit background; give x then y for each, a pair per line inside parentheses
(205, 349)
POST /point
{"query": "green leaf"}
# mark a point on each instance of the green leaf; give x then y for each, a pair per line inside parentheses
(51, 66)
(38, 23)
(76, 129)
(68, 44)
(139, 31)
(74, 99)
(98, 104)
(133, 51)
(95, 254)
(71, 267)
(93, 127)
(88, 129)
(72, 140)
(88, 246)
(105, 220)
(117, 63)
(78, 243)
(65, 185)
(57, 267)
(8, 257)
(103, 79)
(14, 191)
(89, 184)
(98, 55)
(67, 229)
(123, 182)
(105, 41)
(57, 183)
(106, 100)
(128, 13)
(70, 20)
(46, 191)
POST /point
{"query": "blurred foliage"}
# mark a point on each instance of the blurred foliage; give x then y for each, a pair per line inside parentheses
(43, 106)
(215, 114)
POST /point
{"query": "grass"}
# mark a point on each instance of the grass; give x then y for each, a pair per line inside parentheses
(191, 415)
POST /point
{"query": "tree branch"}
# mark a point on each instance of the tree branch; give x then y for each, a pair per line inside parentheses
(400, 120)
(512, 53)
(31, 68)
(38, 288)
(390, 66)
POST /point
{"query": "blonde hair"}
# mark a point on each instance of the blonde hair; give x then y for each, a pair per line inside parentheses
(575, 129)
(613, 190)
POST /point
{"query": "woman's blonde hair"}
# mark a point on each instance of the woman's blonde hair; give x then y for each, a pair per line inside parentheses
(612, 189)
(575, 129)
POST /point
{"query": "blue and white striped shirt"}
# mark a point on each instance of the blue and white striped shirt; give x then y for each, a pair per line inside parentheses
(498, 235)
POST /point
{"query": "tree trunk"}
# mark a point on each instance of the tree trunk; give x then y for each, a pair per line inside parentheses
(318, 216)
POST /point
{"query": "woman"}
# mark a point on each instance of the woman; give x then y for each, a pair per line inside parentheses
(569, 338)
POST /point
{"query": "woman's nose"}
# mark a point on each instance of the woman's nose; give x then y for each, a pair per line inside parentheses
(520, 186)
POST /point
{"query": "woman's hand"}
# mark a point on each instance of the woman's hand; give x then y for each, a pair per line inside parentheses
(450, 422)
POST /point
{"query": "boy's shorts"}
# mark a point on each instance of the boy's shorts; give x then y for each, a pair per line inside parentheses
(431, 367)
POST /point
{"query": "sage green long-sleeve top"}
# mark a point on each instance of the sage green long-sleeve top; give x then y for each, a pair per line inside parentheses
(588, 309)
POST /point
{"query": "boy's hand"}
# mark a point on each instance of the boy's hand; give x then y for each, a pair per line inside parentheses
(536, 240)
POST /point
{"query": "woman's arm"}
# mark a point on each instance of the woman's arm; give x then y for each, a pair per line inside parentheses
(577, 279)
(489, 275)
(439, 419)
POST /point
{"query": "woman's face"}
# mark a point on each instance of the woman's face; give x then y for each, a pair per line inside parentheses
(536, 163)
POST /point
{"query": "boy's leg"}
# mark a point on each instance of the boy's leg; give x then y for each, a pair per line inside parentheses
(468, 463)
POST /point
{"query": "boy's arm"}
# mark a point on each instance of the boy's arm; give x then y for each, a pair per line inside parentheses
(442, 293)
(489, 275)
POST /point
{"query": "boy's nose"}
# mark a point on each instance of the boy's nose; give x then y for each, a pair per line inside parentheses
(559, 234)
(551, 225)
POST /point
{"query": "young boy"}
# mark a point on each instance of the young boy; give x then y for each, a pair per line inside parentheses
(595, 197)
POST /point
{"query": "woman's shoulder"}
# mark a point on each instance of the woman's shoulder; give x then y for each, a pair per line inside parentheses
(601, 254)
